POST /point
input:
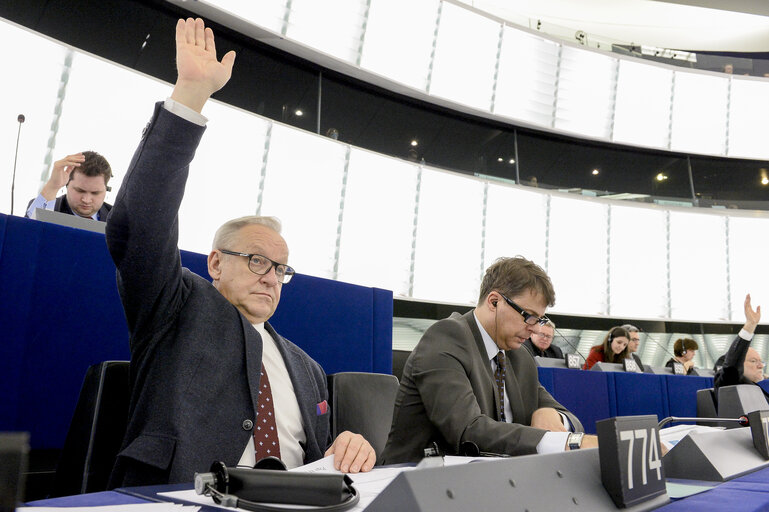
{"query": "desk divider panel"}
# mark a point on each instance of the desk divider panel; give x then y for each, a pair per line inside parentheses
(641, 393)
(584, 393)
(682, 393)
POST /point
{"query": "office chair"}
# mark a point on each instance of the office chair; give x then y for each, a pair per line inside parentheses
(363, 403)
(706, 404)
(96, 431)
(399, 361)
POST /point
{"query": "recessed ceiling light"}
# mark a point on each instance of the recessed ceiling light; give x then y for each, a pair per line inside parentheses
(765, 181)
(596, 172)
(500, 159)
(298, 113)
(414, 142)
(511, 161)
(661, 177)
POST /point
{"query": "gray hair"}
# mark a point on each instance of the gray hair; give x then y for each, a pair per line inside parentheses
(226, 234)
(630, 328)
(550, 324)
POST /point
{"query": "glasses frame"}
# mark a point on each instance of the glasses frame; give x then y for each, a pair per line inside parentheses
(287, 275)
(527, 317)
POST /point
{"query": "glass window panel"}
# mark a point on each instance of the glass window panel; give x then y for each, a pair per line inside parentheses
(698, 286)
(333, 26)
(398, 42)
(748, 248)
(92, 119)
(224, 176)
(528, 67)
(730, 182)
(638, 262)
(642, 111)
(585, 95)
(265, 13)
(577, 262)
(33, 89)
(516, 223)
(748, 112)
(447, 266)
(303, 188)
(378, 222)
(465, 57)
(699, 113)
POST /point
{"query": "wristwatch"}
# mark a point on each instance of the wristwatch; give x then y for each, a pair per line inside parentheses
(574, 440)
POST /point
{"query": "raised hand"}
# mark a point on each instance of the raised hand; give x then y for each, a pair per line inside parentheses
(200, 74)
(752, 316)
(60, 174)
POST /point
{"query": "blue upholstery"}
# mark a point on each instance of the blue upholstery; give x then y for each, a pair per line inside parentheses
(640, 393)
(60, 313)
(682, 393)
(586, 394)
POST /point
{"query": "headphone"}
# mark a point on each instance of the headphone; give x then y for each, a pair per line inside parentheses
(683, 352)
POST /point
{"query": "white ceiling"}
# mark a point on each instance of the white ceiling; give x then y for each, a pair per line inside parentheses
(739, 26)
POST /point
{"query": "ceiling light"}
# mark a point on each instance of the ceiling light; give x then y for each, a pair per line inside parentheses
(596, 172)
(765, 181)
(500, 159)
(414, 142)
(298, 113)
(661, 177)
(511, 161)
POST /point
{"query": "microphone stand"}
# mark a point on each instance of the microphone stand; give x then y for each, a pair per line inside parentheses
(21, 120)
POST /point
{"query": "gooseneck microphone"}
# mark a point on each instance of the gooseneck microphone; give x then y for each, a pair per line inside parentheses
(742, 420)
(570, 344)
(21, 120)
(660, 345)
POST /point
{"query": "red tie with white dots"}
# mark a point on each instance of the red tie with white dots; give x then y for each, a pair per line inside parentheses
(266, 441)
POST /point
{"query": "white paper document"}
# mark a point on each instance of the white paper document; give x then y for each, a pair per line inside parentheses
(136, 507)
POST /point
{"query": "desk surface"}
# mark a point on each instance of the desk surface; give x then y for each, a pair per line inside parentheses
(750, 492)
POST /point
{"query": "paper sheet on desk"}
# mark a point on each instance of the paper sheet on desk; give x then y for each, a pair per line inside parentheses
(672, 435)
(368, 485)
(137, 507)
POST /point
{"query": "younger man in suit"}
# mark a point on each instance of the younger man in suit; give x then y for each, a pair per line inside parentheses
(467, 383)
(86, 176)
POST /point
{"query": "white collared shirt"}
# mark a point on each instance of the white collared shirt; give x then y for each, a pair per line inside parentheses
(288, 417)
(552, 442)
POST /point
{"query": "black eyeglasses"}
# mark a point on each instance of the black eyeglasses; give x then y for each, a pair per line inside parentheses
(261, 265)
(527, 317)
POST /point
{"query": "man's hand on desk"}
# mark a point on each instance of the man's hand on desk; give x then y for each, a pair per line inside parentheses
(547, 418)
(352, 453)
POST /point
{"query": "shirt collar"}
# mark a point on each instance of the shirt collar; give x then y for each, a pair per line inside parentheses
(491, 348)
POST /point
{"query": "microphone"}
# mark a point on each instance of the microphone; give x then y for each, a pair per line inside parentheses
(649, 336)
(742, 420)
(21, 120)
(570, 344)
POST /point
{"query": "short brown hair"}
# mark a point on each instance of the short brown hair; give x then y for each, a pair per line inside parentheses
(513, 276)
(94, 165)
(683, 344)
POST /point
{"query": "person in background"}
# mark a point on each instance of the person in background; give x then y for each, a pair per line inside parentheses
(634, 343)
(684, 350)
(541, 342)
(742, 363)
(612, 350)
(86, 176)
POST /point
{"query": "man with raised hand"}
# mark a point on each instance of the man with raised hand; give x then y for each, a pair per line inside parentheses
(211, 380)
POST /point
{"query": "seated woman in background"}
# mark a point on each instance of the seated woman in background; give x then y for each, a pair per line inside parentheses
(612, 350)
(684, 350)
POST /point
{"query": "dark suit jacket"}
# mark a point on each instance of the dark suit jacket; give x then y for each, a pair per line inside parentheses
(552, 350)
(195, 360)
(447, 395)
(62, 206)
(731, 373)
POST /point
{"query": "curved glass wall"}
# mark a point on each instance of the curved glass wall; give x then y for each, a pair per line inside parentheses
(421, 231)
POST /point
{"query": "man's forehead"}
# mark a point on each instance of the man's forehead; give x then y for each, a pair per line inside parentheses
(89, 183)
(257, 237)
(532, 301)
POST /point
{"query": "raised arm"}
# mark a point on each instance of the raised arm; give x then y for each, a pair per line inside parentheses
(142, 231)
(60, 175)
(734, 363)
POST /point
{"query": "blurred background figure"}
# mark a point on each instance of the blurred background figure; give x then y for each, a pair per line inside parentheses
(541, 342)
(684, 350)
(634, 343)
(614, 348)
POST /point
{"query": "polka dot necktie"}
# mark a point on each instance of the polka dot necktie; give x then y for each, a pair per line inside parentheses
(499, 378)
(266, 441)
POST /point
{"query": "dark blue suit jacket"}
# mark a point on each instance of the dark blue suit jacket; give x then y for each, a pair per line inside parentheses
(195, 359)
